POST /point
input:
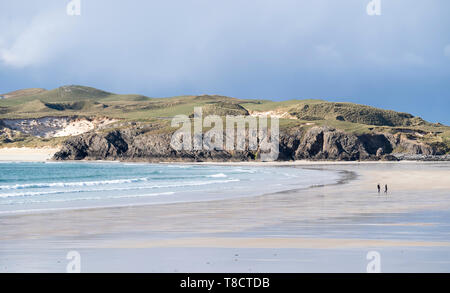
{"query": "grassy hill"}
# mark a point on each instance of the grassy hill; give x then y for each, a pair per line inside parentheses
(24, 92)
(84, 101)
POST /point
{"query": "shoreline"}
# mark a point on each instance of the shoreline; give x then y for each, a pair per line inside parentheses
(349, 173)
(349, 218)
(344, 177)
(45, 154)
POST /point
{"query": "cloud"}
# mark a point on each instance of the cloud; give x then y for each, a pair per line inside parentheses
(37, 41)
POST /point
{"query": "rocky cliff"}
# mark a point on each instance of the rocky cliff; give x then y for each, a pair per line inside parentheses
(317, 143)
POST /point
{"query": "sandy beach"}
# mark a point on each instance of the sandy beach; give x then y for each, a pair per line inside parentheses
(27, 154)
(346, 219)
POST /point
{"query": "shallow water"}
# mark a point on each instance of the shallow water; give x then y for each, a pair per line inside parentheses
(35, 187)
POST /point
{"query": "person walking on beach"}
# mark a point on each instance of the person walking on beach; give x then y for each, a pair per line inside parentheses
(379, 188)
(385, 188)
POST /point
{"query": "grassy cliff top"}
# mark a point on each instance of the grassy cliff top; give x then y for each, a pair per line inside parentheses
(77, 100)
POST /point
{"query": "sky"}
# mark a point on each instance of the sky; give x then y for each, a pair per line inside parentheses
(261, 49)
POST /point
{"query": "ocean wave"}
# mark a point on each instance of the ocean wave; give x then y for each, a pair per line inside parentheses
(193, 183)
(240, 170)
(61, 200)
(180, 166)
(71, 184)
(143, 187)
(219, 175)
(75, 200)
(25, 194)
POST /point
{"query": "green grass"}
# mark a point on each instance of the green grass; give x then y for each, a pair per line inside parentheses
(33, 142)
(89, 102)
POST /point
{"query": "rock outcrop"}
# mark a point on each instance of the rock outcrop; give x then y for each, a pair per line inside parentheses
(317, 143)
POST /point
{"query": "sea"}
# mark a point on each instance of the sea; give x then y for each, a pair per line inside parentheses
(30, 187)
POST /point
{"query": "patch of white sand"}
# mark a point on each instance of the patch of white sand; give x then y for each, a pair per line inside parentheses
(27, 154)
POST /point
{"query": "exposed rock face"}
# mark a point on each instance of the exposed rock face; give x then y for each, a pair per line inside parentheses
(323, 143)
(135, 145)
(317, 143)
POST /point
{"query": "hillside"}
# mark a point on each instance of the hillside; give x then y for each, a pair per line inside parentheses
(24, 92)
(80, 105)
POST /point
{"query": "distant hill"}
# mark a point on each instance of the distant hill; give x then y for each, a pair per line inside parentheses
(24, 92)
(354, 113)
(64, 93)
(75, 100)
(87, 101)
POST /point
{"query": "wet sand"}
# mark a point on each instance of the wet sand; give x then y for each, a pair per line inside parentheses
(321, 229)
